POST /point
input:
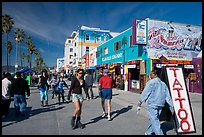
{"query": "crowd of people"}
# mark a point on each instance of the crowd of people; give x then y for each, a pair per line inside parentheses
(155, 93)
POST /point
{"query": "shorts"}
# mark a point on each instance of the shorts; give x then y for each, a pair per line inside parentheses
(77, 97)
(106, 93)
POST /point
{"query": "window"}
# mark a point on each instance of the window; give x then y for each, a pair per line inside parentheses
(70, 56)
(130, 40)
(87, 37)
(105, 50)
(75, 44)
(117, 46)
(69, 41)
(75, 54)
(71, 50)
(87, 49)
(70, 62)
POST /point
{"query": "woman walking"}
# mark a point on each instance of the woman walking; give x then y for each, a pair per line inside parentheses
(43, 84)
(77, 84)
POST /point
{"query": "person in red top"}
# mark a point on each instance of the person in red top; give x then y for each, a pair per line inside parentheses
(106, 84)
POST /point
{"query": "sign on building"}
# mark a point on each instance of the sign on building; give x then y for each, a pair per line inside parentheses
(184, 120)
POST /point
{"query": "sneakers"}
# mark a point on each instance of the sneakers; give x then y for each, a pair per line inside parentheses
(104, 115)
(109, 118)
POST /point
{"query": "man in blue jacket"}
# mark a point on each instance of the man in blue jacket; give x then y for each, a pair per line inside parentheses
(155, 93)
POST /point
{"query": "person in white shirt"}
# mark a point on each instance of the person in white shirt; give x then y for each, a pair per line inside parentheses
(6, 98)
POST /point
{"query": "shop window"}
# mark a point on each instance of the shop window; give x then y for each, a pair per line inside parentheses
(105, 50)
(117, 46)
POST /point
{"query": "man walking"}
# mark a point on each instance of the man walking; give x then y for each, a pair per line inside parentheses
(155, 93)
(18, 88)
(106, 83)
(6, 98)
(88, 85)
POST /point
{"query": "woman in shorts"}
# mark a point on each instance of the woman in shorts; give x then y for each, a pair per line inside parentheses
(77, 84)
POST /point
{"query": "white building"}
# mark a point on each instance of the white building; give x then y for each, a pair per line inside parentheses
(83, 41)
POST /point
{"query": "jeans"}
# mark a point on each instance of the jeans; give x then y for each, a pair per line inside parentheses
(43, 94)
(19, 104)
(87, 91)
(154, 123)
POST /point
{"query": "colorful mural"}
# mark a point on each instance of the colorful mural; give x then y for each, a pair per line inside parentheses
(92, 38)
(173, 40)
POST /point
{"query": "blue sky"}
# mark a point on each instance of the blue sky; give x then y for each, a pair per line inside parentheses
(50, 23)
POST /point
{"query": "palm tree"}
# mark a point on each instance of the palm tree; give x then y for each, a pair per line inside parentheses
(7, 24)
(19, 37)
(105, 35)
(95, 35)
(23, 56)
(9, 47)
(30, 48)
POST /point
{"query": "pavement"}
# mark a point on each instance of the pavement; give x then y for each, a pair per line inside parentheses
(55, 119)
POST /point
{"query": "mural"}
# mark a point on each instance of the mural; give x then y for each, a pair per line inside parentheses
(90, 36)
(173, 40)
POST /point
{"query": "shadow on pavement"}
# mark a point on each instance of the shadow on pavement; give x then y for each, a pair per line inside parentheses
(93, 120)
(118, 112)
(167, 126)
(29, 113)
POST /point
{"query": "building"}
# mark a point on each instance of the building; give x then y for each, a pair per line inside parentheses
(69, 52)
(149, 44)
(84, 40)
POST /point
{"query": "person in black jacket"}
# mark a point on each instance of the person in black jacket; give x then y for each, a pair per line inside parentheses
(18, 89)
(77, 84)
(43, 84)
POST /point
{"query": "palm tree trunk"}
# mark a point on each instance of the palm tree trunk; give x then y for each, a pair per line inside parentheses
(7, 62)
(21, 56)
(30, 60)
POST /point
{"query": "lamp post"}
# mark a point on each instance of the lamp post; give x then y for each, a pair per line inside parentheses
(16, 65)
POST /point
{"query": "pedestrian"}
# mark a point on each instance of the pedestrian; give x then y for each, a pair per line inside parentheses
(100, 74)
(43, 84)
(53, 83)
(155, 93)
(88, 85)
(28, 78)
(77, 84)
(106, 83)
(6, 95)
(60, 90)
(19, 89)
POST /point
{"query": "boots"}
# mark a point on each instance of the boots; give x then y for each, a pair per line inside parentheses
(46, 102)
(73, 124)
(78, 122)
(42, 103)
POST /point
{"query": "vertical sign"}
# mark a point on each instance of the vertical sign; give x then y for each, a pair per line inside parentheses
(183, 112)
(87, 59)
(141, 32)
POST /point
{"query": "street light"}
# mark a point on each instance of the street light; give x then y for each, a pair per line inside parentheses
(16, 65)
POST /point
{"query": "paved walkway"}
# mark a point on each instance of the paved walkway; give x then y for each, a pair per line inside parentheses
(55, 119)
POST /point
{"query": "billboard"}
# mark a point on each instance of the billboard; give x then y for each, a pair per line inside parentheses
(60, 64)
(183, 112)
(173, 40)
(140, 32)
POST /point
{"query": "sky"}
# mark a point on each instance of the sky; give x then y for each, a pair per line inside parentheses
(50, 23)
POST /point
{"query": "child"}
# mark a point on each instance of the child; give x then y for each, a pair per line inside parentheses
(60, 90)
(54, 86)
